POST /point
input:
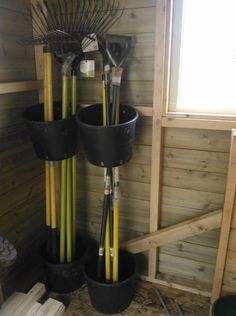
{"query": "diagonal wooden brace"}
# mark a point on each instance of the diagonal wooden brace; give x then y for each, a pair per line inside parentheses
(186, 229)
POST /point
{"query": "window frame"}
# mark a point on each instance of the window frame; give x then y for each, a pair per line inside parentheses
(173, 28)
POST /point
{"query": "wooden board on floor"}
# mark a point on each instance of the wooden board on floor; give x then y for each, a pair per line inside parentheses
(51, 308)
(12, 304)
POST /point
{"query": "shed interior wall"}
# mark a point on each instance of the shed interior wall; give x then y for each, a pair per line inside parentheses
(21, 173)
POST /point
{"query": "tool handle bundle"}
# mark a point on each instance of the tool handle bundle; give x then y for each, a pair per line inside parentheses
(50, 167)
(109, 238)
(68, 178)
(66, 252)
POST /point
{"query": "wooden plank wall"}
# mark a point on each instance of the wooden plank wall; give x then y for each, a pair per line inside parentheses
(21, 173)
(195, 166)
(195, 169)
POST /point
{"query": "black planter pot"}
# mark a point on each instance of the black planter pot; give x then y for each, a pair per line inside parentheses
(52, 141)
(107, 146)
(64, 278)
(111, 298)
(225, 306)
(68, 277)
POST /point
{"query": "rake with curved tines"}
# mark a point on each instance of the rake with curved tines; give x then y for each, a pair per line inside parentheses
(67, 25)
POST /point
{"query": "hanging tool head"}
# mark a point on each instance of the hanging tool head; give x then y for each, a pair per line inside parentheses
(118, 48)
(102, 50)
(68, 26)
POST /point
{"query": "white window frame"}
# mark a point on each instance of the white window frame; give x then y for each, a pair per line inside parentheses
(173, 41)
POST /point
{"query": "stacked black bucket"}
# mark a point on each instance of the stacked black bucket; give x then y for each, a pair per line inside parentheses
(109, 147)
(106, 147)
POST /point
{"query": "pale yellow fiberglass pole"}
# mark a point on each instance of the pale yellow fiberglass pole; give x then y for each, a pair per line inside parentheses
(52, 169)
(74, 168)
(107, 236)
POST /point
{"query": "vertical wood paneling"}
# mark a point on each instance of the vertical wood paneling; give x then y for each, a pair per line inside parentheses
(21, 173)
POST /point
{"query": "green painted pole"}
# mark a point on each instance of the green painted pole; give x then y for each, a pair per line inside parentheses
(65, 105)
(74, 165)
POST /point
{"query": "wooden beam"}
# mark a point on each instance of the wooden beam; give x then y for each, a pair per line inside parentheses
(174, 285)
(226, 222)
(144, 110)
(186, 229)
(211, 124)
(21, 86)
(157, 130)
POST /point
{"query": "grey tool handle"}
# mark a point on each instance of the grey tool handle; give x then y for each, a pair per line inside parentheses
(179, 310)
(168, 313)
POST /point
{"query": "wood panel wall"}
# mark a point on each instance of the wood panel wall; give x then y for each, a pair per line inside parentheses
(195, 166)
(21, 173)
(195, 170)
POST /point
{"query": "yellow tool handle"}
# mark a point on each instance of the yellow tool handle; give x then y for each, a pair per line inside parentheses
(116, 242)
(47, 193)
(49, 74)
(107, 250)
(47, 171)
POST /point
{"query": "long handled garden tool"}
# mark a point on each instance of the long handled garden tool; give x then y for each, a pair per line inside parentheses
(68, 168)
(117, 48)
(50, 174)
(74, 101)
(108, 241)
(106, 230)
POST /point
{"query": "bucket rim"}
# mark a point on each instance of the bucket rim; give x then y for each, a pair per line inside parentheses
(107, 285)
(58, 265)
(134, 119)
(55, 121)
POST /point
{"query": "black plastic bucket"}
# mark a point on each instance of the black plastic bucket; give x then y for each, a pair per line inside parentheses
(111, 298)
(225, 306)
(107, 146)
(64, 278)
(52, 141)
(68, 277)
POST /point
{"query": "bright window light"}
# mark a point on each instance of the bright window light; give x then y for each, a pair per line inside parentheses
(207, 70)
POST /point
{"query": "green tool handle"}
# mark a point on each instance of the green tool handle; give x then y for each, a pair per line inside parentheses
(100, 267)
(115, 93)
(74, 99)
(107, 87)
(111, 216)
(63, 232)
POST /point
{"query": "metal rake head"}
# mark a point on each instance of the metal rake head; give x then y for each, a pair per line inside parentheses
(66, 25)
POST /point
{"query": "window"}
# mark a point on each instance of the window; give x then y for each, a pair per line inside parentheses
(203, 57)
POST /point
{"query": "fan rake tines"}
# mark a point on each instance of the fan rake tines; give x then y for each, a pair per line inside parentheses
(72, 20)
